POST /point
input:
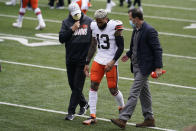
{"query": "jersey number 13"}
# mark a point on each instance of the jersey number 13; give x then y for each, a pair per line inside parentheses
(107, 46)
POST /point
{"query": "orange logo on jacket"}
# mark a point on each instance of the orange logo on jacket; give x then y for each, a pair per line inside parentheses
(82, 30)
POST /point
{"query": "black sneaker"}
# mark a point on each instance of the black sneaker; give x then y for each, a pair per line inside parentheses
(83, 110)
(70, 117)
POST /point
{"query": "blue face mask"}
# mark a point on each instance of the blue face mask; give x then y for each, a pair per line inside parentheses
(131, 23)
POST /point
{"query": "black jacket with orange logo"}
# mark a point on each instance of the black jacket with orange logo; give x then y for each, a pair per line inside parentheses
(76, 43)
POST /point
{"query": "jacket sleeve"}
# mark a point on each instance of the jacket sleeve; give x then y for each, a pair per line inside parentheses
(65, 33)
(156, 48)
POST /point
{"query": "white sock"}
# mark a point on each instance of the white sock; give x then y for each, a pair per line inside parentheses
(119, 99)
(37, 11)
(21, 14)
(93, 101)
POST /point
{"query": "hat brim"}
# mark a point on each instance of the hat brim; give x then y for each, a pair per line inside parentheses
(75, 12)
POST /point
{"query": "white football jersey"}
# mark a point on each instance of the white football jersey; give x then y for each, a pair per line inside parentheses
(106, 44)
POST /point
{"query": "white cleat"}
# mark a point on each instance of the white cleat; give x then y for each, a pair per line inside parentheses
(10, 3)
(17, 24)
(41, 26)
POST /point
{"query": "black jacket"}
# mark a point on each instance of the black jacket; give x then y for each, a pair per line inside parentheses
(149, 51)
(76, 43)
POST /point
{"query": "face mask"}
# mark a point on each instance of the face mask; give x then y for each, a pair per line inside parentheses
(77, 16)
(131, 23)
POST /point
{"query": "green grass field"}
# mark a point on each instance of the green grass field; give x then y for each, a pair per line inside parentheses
(36, 76)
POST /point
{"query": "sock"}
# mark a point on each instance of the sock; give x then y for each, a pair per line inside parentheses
(21, 14)
(92, 101)
(37, 11)
(119, 99)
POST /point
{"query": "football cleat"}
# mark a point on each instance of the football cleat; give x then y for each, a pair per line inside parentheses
(83, 109)
(41, 26)
(89, 121)
(70, 117)
(17, 24)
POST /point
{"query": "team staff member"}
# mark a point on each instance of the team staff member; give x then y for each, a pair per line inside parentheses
(76, 34)
(37, 11)
(146, 56)
(108, 39)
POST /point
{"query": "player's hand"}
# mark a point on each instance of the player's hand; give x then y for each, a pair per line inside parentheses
(124, 58)
(109, 65)
(75, 26)
(158, 72)
(86, 70)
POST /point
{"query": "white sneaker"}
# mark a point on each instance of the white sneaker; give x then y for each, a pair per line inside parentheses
(17, 24)
(41, 26)
(10, 3)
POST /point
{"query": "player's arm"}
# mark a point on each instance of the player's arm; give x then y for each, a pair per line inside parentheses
(120, 43)
(91, 52)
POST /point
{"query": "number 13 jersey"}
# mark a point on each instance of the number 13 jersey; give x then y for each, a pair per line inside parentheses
(106, 44)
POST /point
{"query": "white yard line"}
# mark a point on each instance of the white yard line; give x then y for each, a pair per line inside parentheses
(160, 6)
(169, 7)
(176, 56)
(128, 29)
(123, 78)
(54, 39)
(64, 113)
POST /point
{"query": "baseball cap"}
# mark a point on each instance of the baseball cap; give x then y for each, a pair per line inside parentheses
(74, 8)
(100, 13)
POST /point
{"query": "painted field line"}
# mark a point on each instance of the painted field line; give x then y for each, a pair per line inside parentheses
(31, 65)
(123, 78)
(64, 113)
(169, 34)
(55, 39)
(176, 56)
(159, 6)
(128, 29)
(145, 16)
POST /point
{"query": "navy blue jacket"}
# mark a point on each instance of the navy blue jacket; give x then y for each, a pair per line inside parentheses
(76, 43)
(149, 51)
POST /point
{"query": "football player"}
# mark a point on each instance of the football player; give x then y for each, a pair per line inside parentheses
(37, 11)
(108, 40)
(83, 4)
